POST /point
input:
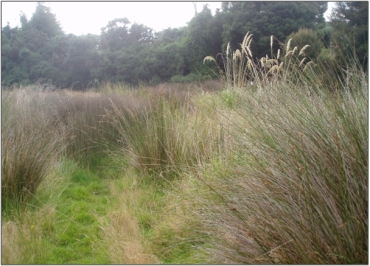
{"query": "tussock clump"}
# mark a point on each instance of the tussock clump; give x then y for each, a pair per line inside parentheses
(165, 133)
(242, 71)
(295, 189)
(31, 142)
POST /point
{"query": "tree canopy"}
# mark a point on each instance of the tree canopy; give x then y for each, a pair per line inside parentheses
(132, 53)
(350, 29)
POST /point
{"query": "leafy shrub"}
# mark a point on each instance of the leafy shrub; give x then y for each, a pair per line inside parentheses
(304, 37)
(192, 77)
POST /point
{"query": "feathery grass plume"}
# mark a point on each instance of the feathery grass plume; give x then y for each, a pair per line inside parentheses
(262, 60)
(308, 65)
(273, 69)
(228, 66)
(249, 51)
(302, 61)
(267, 64)
(228, 49)
(246, 44)
(250, 64)
(247, 39)
(271, 41)
(281, 66)
(295, 49)
(274, 61)
(241, 67)
(290, 53)
(208, 58)
(237, 55)
(303, 49)
(288, 45)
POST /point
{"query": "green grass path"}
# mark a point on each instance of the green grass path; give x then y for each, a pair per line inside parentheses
(74, 235)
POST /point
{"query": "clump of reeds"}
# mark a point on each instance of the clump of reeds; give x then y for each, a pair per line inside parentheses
(163, 132)
(30, 144)
(241, 70)
(83, 115)
(296, 189)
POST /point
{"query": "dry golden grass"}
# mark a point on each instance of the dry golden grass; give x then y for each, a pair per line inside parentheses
(122, 232)
(21, 240)
(10, 249)
(125, 240)
(241, 69)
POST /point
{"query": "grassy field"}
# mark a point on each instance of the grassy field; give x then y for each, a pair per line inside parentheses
(274, 171)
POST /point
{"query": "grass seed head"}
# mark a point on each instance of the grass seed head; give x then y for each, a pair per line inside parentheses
(302, 61)
(303, 49)
(208, 58)
(288, 45)
(271, 41)
(289, 53)
(307, 65)
(295, 49)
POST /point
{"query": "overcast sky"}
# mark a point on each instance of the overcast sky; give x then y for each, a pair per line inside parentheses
(89, 17)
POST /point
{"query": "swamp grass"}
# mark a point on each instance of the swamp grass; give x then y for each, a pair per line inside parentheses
(270, 172)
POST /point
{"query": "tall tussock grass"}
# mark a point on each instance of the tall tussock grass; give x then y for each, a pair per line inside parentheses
(288, 64)
(164, 133)
(89, 134)
(296, 190)
(272, 169)
(30, 144)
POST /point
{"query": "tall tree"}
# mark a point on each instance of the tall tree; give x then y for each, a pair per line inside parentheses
(350, 29)
(115, 34)
(197, 41)
(45, 21)
(263, 19)
(80, 61)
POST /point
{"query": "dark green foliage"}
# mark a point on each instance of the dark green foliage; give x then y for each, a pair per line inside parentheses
(306, 37)
(350, 30)
(81, 58)
(133, 53)
(44, 21)
(264, 19)
(325, 35)
(198, 40)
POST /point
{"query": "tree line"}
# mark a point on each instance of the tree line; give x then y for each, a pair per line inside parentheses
(128, 52)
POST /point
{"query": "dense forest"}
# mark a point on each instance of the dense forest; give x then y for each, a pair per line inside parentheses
(39, 51)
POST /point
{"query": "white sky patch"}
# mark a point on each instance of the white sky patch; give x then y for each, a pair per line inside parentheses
(328, 12)
(89, 17)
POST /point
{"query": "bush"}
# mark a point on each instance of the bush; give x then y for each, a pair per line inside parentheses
(192, 77)
(307, 36)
